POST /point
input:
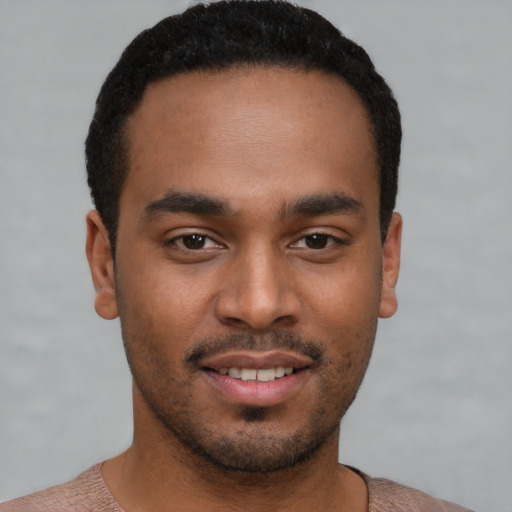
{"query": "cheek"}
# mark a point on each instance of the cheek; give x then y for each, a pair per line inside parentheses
(344, 314)
(153, 335)
(349, 295)
(161, 298)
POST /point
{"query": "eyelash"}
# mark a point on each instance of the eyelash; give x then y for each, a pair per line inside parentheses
(330, 241)
(175, 241)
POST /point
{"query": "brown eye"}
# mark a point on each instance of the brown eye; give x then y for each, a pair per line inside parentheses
(316, 241)
(194, 241)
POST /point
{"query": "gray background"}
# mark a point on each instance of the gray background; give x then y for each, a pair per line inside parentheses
(435, 410)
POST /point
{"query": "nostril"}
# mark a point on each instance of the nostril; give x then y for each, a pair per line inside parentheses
(236, 322)
(253, 325)
(285, 321)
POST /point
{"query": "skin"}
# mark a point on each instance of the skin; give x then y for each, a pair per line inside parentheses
(293, 267)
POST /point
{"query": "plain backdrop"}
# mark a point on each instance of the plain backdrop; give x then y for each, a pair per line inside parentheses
(435, 410)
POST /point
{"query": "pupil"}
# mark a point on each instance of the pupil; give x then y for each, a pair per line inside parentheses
(316, 241)
(193, 241)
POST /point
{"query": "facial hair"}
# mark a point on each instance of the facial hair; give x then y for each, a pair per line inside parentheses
(256, 444)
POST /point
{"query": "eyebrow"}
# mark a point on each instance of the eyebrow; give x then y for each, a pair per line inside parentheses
(184, 202)
(318, 204)
(201, 204)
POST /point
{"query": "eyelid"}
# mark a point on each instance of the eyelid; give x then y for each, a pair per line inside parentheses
(172, 240)
(335, 239)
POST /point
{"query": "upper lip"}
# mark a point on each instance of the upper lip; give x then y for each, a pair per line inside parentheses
(256, 360)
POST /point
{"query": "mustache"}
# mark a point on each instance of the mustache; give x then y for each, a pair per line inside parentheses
(274, 340)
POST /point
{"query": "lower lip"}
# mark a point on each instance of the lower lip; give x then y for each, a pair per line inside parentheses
(255, 393)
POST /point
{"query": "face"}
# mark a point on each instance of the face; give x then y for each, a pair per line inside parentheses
(249, 268)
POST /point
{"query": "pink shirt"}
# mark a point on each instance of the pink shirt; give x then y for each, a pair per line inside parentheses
(88, 493)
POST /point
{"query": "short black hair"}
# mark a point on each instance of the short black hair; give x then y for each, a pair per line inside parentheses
(226, 34)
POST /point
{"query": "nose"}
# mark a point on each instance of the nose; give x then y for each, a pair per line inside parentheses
(258, 293)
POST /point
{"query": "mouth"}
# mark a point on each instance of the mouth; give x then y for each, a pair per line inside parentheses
(253, 374)
(256, 378)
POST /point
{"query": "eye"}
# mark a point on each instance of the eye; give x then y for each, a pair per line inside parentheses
(194, 242)
(317, 241)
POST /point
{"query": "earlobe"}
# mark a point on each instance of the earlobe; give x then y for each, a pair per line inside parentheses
(101, 265)
(391, 267)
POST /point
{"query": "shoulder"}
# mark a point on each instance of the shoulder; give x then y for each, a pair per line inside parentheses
(85, 493)
(388, 496)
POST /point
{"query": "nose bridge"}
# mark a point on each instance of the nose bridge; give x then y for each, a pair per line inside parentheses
(257, 291)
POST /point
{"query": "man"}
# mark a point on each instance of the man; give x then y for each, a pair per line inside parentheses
(243, 162)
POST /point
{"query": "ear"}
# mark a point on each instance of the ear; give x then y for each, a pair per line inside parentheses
(102, 266)
(391, 267)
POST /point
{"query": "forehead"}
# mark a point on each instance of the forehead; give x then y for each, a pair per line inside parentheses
(234, 132)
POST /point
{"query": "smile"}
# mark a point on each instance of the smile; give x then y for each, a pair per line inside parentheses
(252, 374)
(261, 379)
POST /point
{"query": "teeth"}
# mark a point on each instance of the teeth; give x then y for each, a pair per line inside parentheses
(234, 372)
(261, 375)
(266, 375)
(247, 374)
(280, 372)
